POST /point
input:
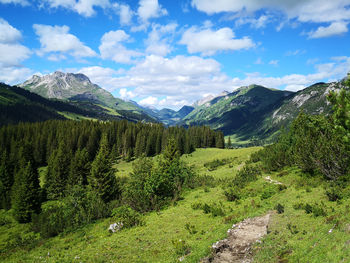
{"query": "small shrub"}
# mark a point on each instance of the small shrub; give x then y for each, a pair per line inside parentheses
(247, 174)
(190, 228)
(308, 209)
(318, 210)
(298, 206)
(279, 208)
(268, 192)
(292, 228)
(232, 194)
(127, 216)
(181, 247)
(334, 193)
(214, 209)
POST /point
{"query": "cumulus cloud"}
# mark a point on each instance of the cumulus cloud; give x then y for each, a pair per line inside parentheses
(149, 101)
(179, 79)
(15, 75)
(182, 80)
(158, 41)
(57, 42)
(8, 34)
(12, 53)
(82, 7)
(16, 2)
(125, 14)
(334, 29)
(303, 10)
(257, 23)
(150, 9)
(112, 48)
(208, 42)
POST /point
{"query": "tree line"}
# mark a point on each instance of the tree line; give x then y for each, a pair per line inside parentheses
(80, 156)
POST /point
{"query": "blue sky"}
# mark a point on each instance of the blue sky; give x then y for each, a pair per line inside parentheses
(171, 53)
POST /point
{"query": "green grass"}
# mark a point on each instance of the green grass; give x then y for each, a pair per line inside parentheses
(74, 116)
(294, 236)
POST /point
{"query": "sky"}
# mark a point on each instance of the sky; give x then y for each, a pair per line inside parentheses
(167, 53)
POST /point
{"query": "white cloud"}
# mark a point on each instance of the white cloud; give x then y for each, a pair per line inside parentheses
(112, 48)
(150, 9)
(15, 75)
(125, 14)
(149, 101)
(174, 82)
(8, 34)
(303, 10)
(334, 29)
(16, 2)
(82, 7)
(12, 53)
(57, 40)
(125, 94)
(257, 23)
(208, 42)
(158, 41)
(274, 62)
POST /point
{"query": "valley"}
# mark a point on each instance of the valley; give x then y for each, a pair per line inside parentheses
(294, 235)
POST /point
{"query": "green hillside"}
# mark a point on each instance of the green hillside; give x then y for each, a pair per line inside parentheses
(20, 105)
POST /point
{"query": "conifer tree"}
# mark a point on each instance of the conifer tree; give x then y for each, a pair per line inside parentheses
(79, 168)
(57, 172)
(26, 193)
(6, 181)
(229, 143)
(102, 178)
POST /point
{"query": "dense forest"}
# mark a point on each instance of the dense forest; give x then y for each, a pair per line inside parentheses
(79, 182)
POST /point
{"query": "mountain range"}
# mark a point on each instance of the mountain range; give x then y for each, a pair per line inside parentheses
(248, 113)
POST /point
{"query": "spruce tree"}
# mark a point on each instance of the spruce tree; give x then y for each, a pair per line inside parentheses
(79, 168)
(102, 178)
(57, 172)
(6, 181)
(26, 193)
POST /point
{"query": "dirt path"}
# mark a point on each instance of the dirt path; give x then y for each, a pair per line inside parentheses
(237, 246)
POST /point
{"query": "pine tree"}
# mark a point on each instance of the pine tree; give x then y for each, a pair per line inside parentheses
(57, 172)
(79, 168)
(6, 181)
(102, 178)
(26, 193)
(229, 143)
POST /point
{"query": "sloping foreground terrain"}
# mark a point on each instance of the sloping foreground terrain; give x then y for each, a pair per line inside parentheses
(186, 230)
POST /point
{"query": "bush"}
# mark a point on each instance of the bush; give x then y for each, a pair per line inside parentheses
(181, 247)
(269, 191)
(279, 208)
(213, 209)
(78, 208)
(127, 216)
(247, 174)
(334, 193)
(232, 194)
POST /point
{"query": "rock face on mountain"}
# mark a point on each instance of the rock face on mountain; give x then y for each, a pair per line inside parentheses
(76, 87)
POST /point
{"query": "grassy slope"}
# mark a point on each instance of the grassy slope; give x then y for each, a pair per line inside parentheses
(153, 241)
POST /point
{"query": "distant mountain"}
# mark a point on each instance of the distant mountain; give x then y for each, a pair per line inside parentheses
(256, 112)
(79, 88)
(229, 112)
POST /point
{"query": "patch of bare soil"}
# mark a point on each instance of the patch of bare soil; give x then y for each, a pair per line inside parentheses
(237, 247)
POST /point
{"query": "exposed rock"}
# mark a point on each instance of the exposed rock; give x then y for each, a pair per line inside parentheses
(237, 246)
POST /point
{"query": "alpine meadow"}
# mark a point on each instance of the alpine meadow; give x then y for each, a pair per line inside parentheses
(174, 131)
